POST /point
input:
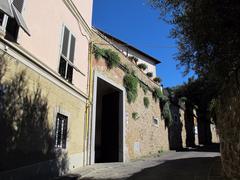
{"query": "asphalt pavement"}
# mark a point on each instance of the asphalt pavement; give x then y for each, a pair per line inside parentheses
(189, 164)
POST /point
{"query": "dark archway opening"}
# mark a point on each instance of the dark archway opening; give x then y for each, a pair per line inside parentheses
(109, 123)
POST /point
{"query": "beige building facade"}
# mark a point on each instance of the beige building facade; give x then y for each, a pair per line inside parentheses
(48, 42)
(68, 109)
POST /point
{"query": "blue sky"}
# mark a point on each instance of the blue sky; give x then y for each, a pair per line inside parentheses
(136, 23)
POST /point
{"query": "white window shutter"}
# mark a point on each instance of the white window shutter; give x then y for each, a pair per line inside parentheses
(5, 7)
(19, 19)
(18, 4)
(72, 48)
(65, 42)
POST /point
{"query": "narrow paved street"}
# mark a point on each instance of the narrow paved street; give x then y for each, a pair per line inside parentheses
(185, 165)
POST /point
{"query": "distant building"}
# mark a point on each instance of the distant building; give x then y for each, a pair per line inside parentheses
(131, 51)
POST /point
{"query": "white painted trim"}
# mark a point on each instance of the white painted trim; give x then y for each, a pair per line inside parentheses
(92, 146)
(60, 46)
(157, 120)
(62, 111)
(4, 23)
(122, 89)
(32, 63)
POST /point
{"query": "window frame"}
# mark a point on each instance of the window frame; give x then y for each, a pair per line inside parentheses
(61, 145)
(4, 23)
(155, 121)
(62, 56)
(6, 20)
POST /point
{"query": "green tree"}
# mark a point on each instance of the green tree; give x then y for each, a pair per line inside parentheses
(207, 33)
(208, 37)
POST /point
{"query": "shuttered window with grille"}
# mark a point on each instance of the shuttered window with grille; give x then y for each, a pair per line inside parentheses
(61, 131)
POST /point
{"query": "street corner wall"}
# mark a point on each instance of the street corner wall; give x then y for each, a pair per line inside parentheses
(146, 134)
(176, 129)
(32, 102)
(143, 136)
(184, 133)
(215, 133)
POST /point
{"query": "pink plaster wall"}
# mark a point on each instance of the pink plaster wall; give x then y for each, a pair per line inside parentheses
(45, 20)
(85, 8)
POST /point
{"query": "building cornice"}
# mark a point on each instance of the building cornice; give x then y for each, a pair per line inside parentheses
(74, 10)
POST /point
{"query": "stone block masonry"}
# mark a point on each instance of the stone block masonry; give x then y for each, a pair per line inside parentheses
(146, 134)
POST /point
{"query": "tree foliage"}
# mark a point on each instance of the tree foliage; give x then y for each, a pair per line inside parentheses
(157, 94)
(199, 92)
(144, 87)
(207, 33)
(208, 37)
(146, 102)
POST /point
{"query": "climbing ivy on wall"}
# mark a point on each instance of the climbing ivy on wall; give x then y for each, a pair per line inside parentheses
(164, 104)
(98, 52)
(157, 94)
(112, 58)
(144, 87)
(130, 82)
(166, 113)
(135, 115)
(146, 102)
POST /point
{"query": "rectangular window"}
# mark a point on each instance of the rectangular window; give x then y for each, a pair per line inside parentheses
(67, 55)
(155, 122)
(11, 25)
(61, 131)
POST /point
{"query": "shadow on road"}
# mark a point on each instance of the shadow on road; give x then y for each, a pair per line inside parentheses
(182, 166)
(202, 168)
(182, 169)
(214, 147)
(68, 177)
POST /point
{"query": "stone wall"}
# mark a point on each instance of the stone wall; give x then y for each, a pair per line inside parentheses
(143, 137)
(176, 130)
(228, 123)
(215, 133)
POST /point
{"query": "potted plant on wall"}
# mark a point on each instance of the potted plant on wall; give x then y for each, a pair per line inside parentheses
(133, 59)
(150, 74)
(157, 80)
(142, 66)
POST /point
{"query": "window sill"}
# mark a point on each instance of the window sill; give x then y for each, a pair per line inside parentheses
(65, 79)
(2, 32)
